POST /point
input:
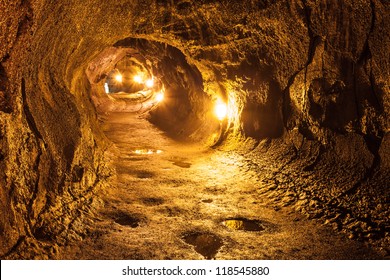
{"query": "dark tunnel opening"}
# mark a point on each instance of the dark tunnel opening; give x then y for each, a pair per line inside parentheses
(121, 121)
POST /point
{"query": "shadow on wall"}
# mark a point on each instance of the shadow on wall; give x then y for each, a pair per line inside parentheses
(262, 117)
(5, 102)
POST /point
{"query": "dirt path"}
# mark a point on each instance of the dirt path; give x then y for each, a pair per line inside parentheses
(174, 201)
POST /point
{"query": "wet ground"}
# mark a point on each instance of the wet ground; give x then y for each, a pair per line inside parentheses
(178, 201)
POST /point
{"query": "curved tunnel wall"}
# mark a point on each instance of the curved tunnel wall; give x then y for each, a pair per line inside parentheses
(186, 112)
(314, 76)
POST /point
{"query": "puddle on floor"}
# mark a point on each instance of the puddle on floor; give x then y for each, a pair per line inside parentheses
(125, 219)
(142, 174)
(182, 164)
(147, 152)
(134, 159)
(243, 224)
(206, 244)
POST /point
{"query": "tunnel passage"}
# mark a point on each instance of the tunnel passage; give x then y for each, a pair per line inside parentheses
(154, 79)
(305, 84)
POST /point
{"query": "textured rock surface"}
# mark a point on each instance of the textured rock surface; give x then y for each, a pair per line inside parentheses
(312, 78)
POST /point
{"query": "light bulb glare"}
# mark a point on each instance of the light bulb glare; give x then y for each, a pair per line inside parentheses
(220, 110)
(138, 79)
(149, 83)
(119, 78)
(159, 97)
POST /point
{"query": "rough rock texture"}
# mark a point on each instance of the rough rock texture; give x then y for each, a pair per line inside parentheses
(51, 163)
(312, 78)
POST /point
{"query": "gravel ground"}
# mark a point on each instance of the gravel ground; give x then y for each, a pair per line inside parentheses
(362, 214)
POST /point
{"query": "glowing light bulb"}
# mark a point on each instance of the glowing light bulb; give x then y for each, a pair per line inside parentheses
(138, 79)
(220, 110)
(149, 83)
(159, 97)
(119, 78)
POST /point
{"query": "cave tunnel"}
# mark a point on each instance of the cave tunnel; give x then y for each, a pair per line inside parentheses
(185, 129)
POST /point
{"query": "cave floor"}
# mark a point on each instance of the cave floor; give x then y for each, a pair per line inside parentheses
(177, 201)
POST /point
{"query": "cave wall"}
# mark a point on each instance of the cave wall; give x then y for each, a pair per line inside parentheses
(313, 75)
(52, 162)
